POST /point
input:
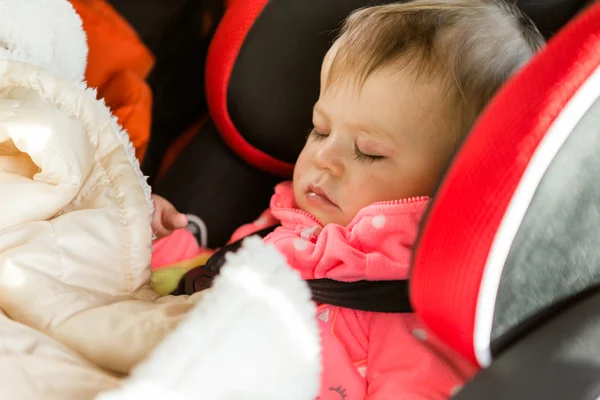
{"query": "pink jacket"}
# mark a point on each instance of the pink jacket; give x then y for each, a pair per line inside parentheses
(366, 355)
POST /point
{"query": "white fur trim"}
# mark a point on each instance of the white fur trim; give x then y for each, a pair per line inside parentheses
(252, 336)
(124, 138)
(45, 33)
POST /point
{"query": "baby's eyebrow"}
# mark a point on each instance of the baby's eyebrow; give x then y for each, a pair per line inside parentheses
(321, 115)
(374, 132)
(375, 139)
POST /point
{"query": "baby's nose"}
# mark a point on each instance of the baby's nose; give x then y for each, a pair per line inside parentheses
(329, 159)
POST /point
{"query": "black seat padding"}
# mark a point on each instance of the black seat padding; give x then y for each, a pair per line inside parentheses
(555, 254)
(551, 15)
(211, 181)
(557, 361)
(178, 32)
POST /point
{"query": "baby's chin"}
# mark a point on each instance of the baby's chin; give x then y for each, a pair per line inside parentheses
(326, 218)
(338, 220)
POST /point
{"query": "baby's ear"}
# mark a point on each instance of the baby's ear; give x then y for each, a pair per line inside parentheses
(46, 33)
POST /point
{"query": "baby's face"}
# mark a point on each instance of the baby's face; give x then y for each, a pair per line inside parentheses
(390, 140)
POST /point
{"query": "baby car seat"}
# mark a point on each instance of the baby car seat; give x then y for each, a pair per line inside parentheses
(507, 270)
(262, 81)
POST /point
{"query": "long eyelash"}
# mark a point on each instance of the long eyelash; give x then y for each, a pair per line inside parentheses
(360, 156)
(317, 135)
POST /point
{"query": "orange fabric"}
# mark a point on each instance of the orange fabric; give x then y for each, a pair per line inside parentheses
(177, 147)
(130, 99)
(118, 63)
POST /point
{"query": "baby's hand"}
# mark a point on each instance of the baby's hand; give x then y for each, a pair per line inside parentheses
(166, 218)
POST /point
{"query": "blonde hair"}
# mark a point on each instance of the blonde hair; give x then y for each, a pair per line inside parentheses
(472, 45)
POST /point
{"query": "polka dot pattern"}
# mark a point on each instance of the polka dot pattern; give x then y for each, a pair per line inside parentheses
(420, 334)
(300, 244)
(308, 232)
(379, 221)
(324, 315)
(262, 221)
(362, 371)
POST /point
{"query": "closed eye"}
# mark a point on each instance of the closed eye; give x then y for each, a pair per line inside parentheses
(359, 155)
(369, 158)
(316, 135)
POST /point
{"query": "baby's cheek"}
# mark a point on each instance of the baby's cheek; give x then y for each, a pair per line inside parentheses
(359, 193)
(349, 208)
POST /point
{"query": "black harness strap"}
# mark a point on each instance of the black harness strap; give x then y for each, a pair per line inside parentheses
(377, 296)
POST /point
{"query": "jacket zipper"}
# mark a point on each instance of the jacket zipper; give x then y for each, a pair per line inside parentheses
(410, 200)
(301, 212)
